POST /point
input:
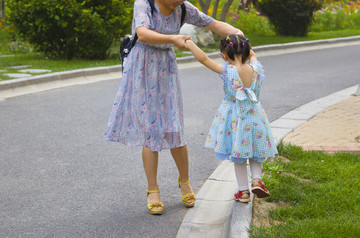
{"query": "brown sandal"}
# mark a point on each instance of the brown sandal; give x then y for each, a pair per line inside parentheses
(239, 196)
(260, 191)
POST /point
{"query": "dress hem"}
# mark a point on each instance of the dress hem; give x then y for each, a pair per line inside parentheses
(154, 150)
(223, 157)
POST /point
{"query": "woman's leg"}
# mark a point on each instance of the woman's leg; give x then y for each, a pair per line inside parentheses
(181, 159)
(150, 162)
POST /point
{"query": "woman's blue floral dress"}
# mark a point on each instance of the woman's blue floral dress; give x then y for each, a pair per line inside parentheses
(240, 129)
(148, 109)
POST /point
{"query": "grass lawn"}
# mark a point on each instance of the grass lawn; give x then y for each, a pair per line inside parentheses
(37, 61)
(266, 40)
(313, 194)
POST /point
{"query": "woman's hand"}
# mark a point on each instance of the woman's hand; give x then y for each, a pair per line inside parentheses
(222, 28)
(179, 41)
(239, 32)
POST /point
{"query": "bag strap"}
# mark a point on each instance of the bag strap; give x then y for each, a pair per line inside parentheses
(152, 6)
(183, 13)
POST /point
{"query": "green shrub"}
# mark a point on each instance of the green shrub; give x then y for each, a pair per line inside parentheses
(290, 17)
(71, 28)
(250, 21)
(337, 16)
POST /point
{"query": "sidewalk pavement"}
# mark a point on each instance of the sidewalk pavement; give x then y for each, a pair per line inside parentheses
(329, 124)
(335, 129)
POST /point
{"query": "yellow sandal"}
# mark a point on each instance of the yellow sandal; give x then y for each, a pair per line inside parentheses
(151, 206)
(187, 196)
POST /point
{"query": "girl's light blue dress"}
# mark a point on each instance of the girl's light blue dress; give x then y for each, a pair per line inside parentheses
(240, 129)
(148, 109)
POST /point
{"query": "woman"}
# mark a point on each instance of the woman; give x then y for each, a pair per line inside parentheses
(148, 108)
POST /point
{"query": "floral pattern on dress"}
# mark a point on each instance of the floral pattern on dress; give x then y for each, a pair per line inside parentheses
(148, 108)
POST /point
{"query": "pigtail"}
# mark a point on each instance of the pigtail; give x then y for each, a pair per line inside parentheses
(246, 51)
(230, 50)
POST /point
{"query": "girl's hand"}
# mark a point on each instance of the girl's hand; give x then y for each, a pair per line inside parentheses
(179, 41)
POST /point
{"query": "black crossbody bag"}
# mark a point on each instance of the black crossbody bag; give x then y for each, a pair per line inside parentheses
(128, 42)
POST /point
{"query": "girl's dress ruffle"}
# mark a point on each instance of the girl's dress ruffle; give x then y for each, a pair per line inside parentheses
(223, 157)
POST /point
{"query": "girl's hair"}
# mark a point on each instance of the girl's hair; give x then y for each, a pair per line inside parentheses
(234, 45)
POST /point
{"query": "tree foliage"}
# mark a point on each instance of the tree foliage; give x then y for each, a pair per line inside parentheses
(71, 28)
(205, 5)
(290, 17)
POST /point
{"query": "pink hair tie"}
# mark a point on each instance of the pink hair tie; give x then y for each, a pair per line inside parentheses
(231, 44)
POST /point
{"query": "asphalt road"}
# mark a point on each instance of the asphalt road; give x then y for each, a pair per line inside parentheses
(60, 178)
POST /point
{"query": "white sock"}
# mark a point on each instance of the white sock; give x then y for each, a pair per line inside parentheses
(255, 168)
(241, 176)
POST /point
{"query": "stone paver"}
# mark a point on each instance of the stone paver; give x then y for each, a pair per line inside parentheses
(332, 130)
(34, 71)
(16, 75)
(3, 56)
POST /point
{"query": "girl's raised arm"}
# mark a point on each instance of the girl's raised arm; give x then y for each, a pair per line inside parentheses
(202, 57)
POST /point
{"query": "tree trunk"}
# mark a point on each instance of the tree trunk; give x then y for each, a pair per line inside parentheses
(204, 5)
(3, 9)
(225, 10)
(216, 5)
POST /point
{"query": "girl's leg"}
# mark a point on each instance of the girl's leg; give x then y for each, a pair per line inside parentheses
(181, 159)
(150, 162)
(255, 168)
(241, 176)
(258, 187)
(243, 183)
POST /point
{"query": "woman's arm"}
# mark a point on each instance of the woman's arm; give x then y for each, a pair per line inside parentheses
(152, 37)
(203, 58)
(222, 28)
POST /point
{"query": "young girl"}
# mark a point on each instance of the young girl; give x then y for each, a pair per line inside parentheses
(240, 129)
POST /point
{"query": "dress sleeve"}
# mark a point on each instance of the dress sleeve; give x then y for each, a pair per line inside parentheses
(142, 13)
(195, 17)
(259, 76)
(258, 69)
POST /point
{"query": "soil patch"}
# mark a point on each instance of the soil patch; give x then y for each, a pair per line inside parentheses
(261, 212)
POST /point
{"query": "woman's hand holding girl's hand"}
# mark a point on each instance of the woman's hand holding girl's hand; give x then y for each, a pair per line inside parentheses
(179, 41)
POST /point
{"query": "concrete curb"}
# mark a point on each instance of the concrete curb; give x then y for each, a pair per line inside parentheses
(84, 73)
